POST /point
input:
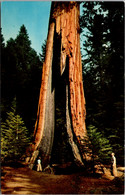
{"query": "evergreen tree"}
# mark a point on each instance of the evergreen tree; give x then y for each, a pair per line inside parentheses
(103, 26)
(23, 45)
(14, 135)
(21, 77)
(2, 40)
(9, 78)
(95, 61)
(28, 78)
(2, 53)
(98, 146)
(43, 51)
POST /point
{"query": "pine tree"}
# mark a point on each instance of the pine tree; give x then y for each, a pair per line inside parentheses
(98, 146)
(2, 39)
(43, 49)
(23, 48)
(14, 136)
(21, 74)
(103, 26)
(28, 77)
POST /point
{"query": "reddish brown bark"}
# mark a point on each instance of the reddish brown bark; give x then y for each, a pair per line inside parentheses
(64, 23)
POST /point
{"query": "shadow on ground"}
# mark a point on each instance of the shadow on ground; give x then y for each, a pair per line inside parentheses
(20, 179)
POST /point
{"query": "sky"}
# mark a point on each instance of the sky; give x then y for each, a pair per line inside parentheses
(33, 14)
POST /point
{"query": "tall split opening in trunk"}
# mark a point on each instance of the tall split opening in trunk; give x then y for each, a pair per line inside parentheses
(60, 124)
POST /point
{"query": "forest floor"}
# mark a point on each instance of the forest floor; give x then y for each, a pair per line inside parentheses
(22, 180)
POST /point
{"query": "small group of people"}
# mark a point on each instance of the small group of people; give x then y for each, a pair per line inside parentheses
(113, 165)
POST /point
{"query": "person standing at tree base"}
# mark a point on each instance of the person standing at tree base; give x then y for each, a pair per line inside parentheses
(39, 166)
(113, 166)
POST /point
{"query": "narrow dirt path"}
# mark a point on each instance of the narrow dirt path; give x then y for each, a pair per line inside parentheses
(22, 180)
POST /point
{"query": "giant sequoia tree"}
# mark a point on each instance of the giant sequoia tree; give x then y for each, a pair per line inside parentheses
(61, 86)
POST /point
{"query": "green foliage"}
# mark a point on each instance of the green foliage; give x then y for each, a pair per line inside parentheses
(2, 39)
(103, 67)
(14, 136)
(97, 145)
(43, 51)
(21, 77)
(117, 143)
(100, 145)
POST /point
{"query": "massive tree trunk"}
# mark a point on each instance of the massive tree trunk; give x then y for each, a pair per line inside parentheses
(62, 62)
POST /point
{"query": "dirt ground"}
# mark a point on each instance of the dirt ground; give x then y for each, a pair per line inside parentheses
(22, 180)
